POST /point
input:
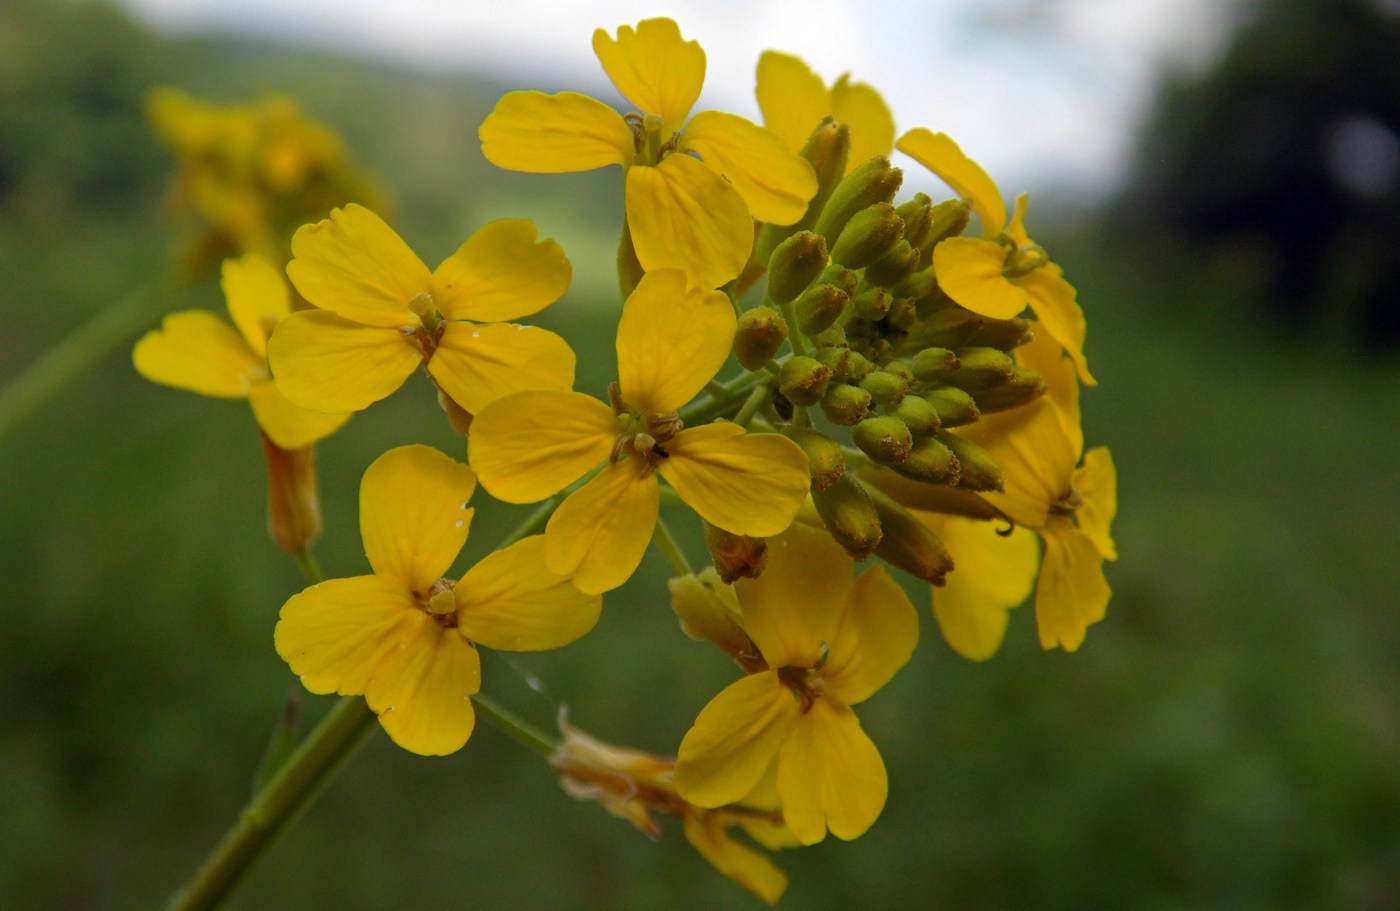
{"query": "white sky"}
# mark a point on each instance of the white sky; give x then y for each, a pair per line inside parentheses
(1041, 92)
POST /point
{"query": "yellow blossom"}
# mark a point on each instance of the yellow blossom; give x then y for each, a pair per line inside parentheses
(406, 637)
(794, 100)
(671, 341)
(198, 351)
(382, 313)
(830, 641)
(1002, 273)
(693, 186)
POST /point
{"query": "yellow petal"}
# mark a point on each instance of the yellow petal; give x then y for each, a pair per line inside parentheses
(670, 341)
(598, 535)
(423, 688)
(775, 182)
(257, 298)
(683, 215)
(941, 155)
(969, 271)
(554, 134)
(830, 776)
(290, 426)
(501, 273)
(750, 868)
(654, 68)
(1053, 300)
(511, 601)
(745, 483)
(862, 109)
(792, 98)
(477, 363)
(734, 740)
(530, 445)
(793, 608)
(992, 574)
(353, 264)
(1036, 456)
(333, 634)
(1072, 592)
(413, 514)
(878, 632)
(198, 351)
(1097, 480)
(1045, 356)
(709, 610)
(327, 363)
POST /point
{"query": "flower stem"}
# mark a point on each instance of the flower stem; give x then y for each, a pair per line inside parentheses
(508, 722)
(274, 806)
(666, 543)
(755, 401)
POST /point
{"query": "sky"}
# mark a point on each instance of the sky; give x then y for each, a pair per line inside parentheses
(1043, 93)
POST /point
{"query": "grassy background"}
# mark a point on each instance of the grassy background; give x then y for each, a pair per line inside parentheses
(1228, 738)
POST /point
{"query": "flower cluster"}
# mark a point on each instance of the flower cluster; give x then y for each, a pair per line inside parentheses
(900, 390)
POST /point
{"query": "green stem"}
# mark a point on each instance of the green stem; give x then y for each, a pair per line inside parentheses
(267, 815)
(666, 543)
(535, 522)
(510, 723)
(722, 400)
(799, 344)
(76, 354)
(752, 404)
(309, 567)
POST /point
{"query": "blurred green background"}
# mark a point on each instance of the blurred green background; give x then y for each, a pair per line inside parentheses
(1228, 738)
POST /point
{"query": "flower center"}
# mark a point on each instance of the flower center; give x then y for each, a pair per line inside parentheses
(641, 436)
(647, 147)
(1023, 259)
(1069, 503)
(807, 683)
(428, 332)
(440, 604)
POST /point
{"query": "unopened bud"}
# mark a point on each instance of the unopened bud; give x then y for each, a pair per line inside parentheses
(900, 368)
(824, 456)
(859, 366)
(875, 181)
(918, 415)
(933, 364)
(803, 380)
(949, 327)
(872, 304)
(1003, 333)
(794, 265)
(907, 543)
(837, 360)
(885, 439)
(293, 503)
(982, 368)
(819, 307)
(758, 336)
(948, 219)
(978, 471)
(902, 315)
(869, 234)
(841, 277)
(895, 266)
(847, 513)
(917, 215)
(833, 337)
(735, 556)
(914, 494)
(886, 389)
(1023, 387)
(826, 151)
(931, 462)
(955, 407)
(845, 405)
(709, 612)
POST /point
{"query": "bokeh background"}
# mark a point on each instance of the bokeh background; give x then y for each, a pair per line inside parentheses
(1229, 738)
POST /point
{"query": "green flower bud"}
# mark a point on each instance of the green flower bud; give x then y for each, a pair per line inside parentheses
(869, 234)
(859, 367)
(845, 405)
(832, 337)
(1024, 386)
(914, 494)
(933, 364)
(794, 265)
(823, 455)
(885, 388)
(982, 368)
(758, 336)
(948, 219)
(819, 307)
(931, 462)
(841, 277)
(885, 439)
(837, 360)
(847, 512)
(918, 415)
(955, 407)
(826, 150)
(907, 543)
(895, 266)
(874, 181)
(978, 470)
(902, 316)
(948, 327)
(900, 368)
(1003, 333)
(872, 304)
(917, 215)
(803, 380)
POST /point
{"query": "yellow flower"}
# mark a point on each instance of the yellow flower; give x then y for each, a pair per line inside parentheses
(405, 637)
(830, 642)
(691, 187)
(671, 340)
(198, 351)
(1038, 447)
(383, 313)
(1002, 274)
(794, 100)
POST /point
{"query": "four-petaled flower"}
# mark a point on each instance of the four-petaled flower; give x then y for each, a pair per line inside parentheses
(691, 187)
(671, 341)
(829, 641)
(405, 636)
(794, 100)
(198, 351)
(1003, 272)
(382, 313)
